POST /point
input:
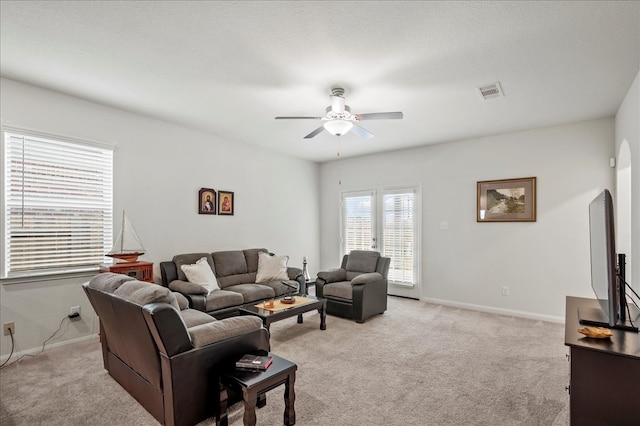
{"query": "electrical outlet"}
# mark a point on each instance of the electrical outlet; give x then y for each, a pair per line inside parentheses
(505, 290)
(9, 326)
(74, 311)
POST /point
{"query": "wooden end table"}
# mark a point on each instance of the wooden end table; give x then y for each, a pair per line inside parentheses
(252, 385)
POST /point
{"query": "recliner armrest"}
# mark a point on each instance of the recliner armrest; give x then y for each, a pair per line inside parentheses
(366, 278)
(333, 275)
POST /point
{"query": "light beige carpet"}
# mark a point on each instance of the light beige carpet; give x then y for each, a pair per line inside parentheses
(418, 364)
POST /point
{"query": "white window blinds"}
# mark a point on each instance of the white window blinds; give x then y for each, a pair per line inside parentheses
(357, 222)
(57, 206)
(398, 229)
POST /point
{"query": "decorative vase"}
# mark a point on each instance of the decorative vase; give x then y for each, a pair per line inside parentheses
(305, 271)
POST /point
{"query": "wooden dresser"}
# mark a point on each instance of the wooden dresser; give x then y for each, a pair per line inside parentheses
(604, 387)
(142, 271)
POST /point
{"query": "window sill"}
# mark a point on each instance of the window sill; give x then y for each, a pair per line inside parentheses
(24, 279)
(406, 285)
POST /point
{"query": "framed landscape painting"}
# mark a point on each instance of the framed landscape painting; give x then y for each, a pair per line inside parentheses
(206, 201)
(507, 200)
(225, 203)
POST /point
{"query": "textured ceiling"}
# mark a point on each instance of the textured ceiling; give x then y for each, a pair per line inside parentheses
(228, 68)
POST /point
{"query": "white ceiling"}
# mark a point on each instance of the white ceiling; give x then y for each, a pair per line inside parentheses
(228, 68)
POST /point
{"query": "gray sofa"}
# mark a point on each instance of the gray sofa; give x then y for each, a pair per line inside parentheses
(235, 271)
(168, 357)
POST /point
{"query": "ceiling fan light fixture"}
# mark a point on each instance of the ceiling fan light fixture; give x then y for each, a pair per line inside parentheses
(337, 127)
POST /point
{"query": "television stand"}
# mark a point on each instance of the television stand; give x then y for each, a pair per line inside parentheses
(595, 317)
(604, 383)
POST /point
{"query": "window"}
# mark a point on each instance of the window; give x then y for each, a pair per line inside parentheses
(385, 221)
(357, 221)
(57, 204)
(398, 235)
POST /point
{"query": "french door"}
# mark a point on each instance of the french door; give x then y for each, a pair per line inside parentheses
(387, 221)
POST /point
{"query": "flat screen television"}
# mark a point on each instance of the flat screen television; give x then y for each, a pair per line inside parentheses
(604, 272)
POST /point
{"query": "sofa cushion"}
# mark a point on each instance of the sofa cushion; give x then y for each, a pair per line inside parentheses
(193, 317)
(220, 299)
(253, 292)
(200, 273)
(190, 259)
(142, 293)
(251, 257)
(271, 268)
(341, 289)
(230, 262)
(248, 278)
(362, 261)
(108, 281)
(206, 334)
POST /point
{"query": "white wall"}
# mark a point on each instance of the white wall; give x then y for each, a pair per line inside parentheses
(627, 130)
(158, 170)
(467, 264)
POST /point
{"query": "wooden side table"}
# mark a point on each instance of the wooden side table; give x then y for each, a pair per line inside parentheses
(252, 385)
(142, 271)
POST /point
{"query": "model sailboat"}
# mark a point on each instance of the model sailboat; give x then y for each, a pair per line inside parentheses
(127, 246)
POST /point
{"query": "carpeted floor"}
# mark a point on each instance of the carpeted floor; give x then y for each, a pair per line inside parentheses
(418, 364)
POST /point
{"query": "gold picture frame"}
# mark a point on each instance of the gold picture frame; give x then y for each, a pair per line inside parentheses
(506, 200)
(206, 201)
(226, 203)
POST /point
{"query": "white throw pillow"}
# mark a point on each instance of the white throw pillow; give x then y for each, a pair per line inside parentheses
(200, 273)
(271, 268)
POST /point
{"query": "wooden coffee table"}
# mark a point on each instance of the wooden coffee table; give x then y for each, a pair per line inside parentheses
(269, 316)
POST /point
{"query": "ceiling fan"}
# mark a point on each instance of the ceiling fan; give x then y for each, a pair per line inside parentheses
(339, 119)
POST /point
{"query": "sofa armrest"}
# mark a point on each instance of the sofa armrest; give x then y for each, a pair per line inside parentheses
(333, 275)
(185, 287)
(206, 334)
(293, 272)
(366, 278)
(197, 301)
(193, 375)
(168, 272)
(194, 293)
(167, 328)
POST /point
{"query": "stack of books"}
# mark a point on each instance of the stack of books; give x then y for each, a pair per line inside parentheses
(254, 362)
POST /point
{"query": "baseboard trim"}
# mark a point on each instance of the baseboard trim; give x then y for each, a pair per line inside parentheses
(33, 351)
(490, 309)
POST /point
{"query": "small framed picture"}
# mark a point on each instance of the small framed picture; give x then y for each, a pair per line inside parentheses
(207, 201)
(225, 203)
(507, 200)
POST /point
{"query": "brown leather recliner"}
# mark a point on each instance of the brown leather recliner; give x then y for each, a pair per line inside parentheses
(166, 357)
(358, 289)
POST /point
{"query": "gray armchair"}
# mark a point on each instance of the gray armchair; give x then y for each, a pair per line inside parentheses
(358, 289)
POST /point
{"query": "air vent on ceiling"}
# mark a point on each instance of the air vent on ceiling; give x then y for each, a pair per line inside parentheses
(489, 91)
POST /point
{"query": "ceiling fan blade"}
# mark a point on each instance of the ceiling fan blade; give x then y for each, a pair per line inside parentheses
(314, 133)
(298, 118)
(379, 116)
(361, 131)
